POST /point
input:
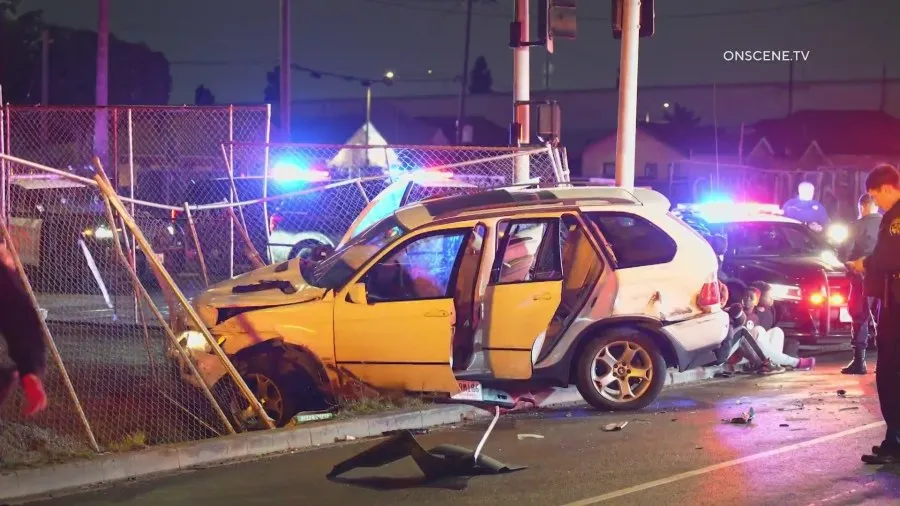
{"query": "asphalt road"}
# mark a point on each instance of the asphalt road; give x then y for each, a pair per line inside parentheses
(802, 448)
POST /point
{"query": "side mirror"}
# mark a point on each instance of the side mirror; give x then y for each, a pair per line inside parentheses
(357, 294)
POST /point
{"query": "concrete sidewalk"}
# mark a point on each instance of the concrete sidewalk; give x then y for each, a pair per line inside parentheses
(109, 468)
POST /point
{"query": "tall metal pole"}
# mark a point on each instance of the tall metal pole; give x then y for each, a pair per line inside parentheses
(285, 91)
(368, 120)
(101, 127)
(628, 94)
(45, 67)
(464, 76)
(522, 91)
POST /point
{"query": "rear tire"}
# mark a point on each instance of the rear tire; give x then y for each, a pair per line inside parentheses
(603, 368)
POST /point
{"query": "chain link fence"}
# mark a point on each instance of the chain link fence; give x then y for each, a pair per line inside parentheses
(115, 306)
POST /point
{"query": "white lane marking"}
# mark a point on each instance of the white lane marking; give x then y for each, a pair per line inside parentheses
(723, 465)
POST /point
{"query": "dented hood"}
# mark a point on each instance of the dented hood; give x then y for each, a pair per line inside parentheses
(273, 285)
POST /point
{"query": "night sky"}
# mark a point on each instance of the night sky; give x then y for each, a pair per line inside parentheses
(228, 45)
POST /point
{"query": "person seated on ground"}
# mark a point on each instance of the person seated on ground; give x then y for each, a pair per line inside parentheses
(770, 338)
(749, 357)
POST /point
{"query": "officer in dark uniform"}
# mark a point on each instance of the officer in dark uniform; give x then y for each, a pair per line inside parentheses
(20, 326)
(883, 184)
(864, 296)
(806, 209)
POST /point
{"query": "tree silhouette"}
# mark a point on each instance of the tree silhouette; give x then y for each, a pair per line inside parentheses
(204, 96)
(681, 118)
(272, 93)
(480, 79)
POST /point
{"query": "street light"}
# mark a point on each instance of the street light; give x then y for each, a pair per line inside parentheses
(388, 80)
(389, 74)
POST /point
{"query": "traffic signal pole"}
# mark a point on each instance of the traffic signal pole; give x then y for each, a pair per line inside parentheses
(626, 131)
(522, 91)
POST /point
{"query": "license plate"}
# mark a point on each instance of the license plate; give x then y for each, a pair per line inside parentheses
(469, 391)
(844, 315)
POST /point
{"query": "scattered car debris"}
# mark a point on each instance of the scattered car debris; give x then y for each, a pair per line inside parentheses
(614, 427)
(442, 461)
(724, 374)
(842, 393)
(341, 439)
(745, 418)
(851, 408)
(529, 436)
(312, 416)
(783, 425)
(698, 447)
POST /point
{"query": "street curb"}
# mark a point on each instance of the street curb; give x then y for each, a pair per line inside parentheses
(104, 469)
(29, 483)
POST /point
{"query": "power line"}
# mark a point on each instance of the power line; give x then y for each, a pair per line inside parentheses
(399, 4)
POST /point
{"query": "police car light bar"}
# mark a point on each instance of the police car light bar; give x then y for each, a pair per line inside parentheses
(730, 208)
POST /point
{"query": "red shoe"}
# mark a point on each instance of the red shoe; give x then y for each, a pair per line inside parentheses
(806, 364)
(35, 397)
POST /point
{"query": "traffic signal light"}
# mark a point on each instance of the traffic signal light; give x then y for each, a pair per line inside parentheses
(556, 20)
(647, 18)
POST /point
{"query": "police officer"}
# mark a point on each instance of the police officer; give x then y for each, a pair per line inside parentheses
(883, 184)
(21, 328)
(806, 209)
(864, 296)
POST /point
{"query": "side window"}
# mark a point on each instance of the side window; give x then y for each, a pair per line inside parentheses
(417, 270)
(635, 241)
(581, 263)
(528, 250)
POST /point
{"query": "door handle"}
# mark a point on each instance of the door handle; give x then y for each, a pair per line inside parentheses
(437, 314)
(543, 296)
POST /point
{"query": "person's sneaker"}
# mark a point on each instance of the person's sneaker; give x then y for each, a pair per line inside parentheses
(882, 458)
(35, 397)
(806, 364)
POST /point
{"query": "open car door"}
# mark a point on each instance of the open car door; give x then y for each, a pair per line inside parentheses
(405, 191)
(394, 323)
(523, 294)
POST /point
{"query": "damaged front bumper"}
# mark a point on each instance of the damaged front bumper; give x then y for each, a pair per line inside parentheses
(198, 351)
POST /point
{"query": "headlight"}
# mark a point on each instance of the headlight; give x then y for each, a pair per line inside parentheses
(101, 232)
(785, 292)
(195, 341)
(837, 233)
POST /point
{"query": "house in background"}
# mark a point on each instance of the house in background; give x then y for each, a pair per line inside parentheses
(663, 152)
(477, 130)
(826, 139)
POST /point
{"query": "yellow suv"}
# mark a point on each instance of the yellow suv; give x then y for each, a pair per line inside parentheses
(597, 287)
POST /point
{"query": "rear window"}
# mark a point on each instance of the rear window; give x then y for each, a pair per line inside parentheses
(635, 241)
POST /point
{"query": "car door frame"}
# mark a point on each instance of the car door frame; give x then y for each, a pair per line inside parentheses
(446, 378)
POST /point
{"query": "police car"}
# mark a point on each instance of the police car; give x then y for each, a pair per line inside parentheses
(809, 283)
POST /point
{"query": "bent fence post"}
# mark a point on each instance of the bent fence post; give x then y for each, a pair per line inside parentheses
(51, 344)
(140, 290)
(105, 187)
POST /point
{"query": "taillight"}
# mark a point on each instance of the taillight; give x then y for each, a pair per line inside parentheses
(274, 220)
(816, 298)
(710, 296)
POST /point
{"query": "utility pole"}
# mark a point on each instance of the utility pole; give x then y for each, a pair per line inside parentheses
(625, 134)
(285, 91)
(522, 91)
(464, 76)
(101, 127)
(45, 67)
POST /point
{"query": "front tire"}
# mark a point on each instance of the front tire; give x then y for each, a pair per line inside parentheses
(620, 371)
(282, 387)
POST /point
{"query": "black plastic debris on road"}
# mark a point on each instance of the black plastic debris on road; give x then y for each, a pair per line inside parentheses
(745, 419)
(438, 463)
